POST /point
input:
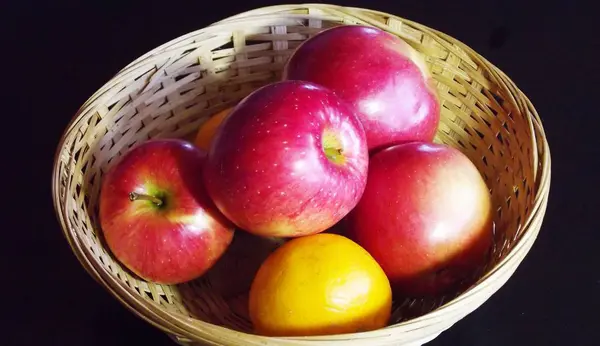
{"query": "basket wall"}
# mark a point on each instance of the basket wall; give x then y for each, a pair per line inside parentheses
(172, 90)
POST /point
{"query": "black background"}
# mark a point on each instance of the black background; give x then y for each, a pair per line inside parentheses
(57, 53)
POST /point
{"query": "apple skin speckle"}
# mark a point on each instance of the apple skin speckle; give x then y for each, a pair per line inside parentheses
(293, 175)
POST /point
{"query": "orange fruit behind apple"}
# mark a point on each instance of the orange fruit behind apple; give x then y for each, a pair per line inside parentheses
(207, 130)
(317, 285)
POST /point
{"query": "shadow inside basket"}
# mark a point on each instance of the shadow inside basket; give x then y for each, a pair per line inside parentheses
(221, 295)
(172, 94)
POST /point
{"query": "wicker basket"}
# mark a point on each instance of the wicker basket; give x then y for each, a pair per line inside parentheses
(171, 90)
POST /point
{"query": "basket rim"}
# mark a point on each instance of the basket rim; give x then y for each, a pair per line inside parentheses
(183, 325)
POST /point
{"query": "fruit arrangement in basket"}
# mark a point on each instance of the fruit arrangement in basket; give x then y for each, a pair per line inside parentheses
(337, 160)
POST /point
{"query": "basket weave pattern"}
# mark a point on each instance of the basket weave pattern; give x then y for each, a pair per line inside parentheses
(172, 90)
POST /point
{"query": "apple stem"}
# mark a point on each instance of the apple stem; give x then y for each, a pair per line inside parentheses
(134, 196)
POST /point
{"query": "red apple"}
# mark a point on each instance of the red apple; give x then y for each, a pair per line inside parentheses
(425, 216)
(156, 216)
(384, 78)
(290, 160)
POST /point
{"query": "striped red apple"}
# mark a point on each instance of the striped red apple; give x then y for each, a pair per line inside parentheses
(379, 74)
(290, 160)
(156, 216)
(425, 216)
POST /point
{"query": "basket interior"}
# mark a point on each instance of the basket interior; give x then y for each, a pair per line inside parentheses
(172, 90)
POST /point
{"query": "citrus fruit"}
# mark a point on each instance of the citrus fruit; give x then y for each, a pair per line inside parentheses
(207, 130)
(319, 284)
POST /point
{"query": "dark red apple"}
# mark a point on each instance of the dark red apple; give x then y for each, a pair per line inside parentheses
(383, 77)
(425, 216)
(290, 160)
(156, 216)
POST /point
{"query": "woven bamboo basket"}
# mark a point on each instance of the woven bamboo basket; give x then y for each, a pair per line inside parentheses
(173, 89)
